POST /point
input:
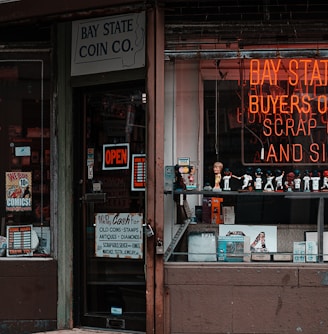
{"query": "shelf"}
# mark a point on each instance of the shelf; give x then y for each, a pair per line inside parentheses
(207, 193)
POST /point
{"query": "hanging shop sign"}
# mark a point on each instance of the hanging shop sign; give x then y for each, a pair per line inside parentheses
(285, 111)
(108, 44)
(116, 156)
(18, 191)
(119, 235)
(138, 179)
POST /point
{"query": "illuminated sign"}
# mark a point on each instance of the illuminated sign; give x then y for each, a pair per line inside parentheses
(116, 156)
(138, 178)
(285, 112)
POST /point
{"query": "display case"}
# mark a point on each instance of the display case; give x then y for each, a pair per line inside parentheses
(273, 227)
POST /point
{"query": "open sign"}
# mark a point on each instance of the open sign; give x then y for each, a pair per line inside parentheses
(116, 156)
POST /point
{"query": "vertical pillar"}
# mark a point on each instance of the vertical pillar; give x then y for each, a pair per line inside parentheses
(155, 168)
(63, 216)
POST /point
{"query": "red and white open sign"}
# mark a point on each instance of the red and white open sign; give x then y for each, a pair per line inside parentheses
(138, 178)
(116, 156)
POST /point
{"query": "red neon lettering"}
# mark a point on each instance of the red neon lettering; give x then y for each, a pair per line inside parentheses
(116, 156)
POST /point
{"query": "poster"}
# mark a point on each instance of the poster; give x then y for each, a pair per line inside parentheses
(119, 235)
(263, 238)
(18, 191)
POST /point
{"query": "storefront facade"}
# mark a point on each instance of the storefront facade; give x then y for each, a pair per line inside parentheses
(77, 235)
(245, 92)
(113, 114)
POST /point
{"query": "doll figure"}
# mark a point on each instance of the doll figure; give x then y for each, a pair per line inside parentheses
(217, 169)
(279, 178)
(227, 175)
(269, 181)
(191, 178)
(306, 180)
(179, 183)
(315, 178)
(325, 180)
(289, 183)
(247, 179)
(258, 179)
(226, 179)
(297, 180)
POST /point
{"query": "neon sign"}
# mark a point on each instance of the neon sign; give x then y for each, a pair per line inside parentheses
(286, 109)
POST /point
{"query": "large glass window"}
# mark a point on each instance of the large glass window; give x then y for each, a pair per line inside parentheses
(265, 121)
(25, 165)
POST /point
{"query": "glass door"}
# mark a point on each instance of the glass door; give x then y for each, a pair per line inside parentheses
(109, 236)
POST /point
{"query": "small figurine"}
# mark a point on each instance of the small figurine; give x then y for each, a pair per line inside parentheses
(217, 169)
(226, 179)
(247, 179)
(289, 183)
(207, 187)
(179, 183)
(258, 179)
(297, 180)
(269, 181)
(315, 178)
(306, 180)
(325, 181)
(227, 175)
(279, 180)
(191, 179)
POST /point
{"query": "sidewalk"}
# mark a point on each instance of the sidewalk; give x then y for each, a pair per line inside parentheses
(86, 330)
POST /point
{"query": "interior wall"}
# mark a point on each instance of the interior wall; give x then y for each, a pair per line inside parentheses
(183, 129)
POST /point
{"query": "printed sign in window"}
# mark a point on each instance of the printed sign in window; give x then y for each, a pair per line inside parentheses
(138, 172)
(119, 235)
(19, 240)
(18, 191)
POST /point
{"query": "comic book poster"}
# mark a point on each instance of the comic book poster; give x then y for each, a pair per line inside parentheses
(18, 191)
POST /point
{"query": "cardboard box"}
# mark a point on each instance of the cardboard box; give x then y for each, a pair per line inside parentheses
(216, 210)
(206, 210)
(261, 257)
(202, 247)
(234, 248)
(283, 257)
(299, 251)
(313, 236)
(228, 213)
(311, 251)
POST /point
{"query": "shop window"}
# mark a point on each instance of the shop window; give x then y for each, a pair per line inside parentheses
(25, 164)
(266, 121)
